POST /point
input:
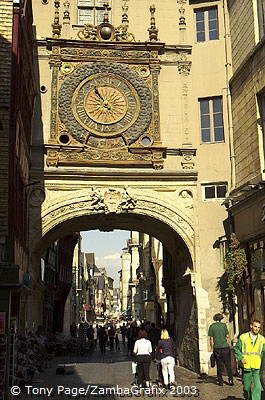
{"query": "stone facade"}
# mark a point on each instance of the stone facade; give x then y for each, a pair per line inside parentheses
(246, 201)
(17, 92)
(6, 21)
(158, 183)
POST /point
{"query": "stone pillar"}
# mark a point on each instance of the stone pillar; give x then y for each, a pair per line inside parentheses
(203, 306)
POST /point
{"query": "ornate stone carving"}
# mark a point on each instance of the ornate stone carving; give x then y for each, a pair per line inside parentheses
(186, 197)
(83, 52)
(100, 200)
(136, 156)
(89, 32)
(122, 35)
(153, 31)
(66, 13)
(97, 33)
(184, 67)
(182, 19)
(56, 26)
(37, 197)
(54, 98)
(187, 161)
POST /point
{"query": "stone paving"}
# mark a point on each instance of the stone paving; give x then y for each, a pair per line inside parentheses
(113, 370)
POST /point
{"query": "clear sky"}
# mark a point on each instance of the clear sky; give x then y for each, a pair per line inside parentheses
(107, 247)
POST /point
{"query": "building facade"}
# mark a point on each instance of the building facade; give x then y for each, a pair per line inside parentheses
(246, 200)
(132, 130)
(160, 149)
(18, 90)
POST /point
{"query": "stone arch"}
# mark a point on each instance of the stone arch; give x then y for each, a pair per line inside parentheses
(96, 205)
(95, 201)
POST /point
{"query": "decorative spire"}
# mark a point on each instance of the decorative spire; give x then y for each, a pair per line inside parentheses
(182, 19)
(56, 26)
(125, 20)
(153, 31)
(66, 13)
(106, 12)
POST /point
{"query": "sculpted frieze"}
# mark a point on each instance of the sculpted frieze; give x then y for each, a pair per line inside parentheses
(105, 53)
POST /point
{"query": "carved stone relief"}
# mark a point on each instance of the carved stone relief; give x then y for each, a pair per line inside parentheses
(98, 200)
(37, 197)
(186, 198)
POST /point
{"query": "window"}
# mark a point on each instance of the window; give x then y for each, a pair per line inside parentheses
(206, 24)
(211, 115)
(90, 12)
(214, 191)
(261, 17)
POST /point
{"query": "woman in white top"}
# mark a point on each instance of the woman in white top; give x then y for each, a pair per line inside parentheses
(142, 350)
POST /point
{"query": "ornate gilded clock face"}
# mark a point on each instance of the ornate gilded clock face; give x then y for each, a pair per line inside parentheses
(105, 104)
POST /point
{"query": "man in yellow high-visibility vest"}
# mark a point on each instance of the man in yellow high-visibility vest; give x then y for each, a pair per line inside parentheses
(249, 350)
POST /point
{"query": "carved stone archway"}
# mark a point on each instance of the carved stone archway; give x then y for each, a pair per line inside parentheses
(113, 200)
(98, 205)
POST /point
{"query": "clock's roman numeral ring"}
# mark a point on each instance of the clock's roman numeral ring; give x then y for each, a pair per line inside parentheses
(105, 104)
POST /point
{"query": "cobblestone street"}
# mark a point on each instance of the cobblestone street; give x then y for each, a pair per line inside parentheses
(113, 370)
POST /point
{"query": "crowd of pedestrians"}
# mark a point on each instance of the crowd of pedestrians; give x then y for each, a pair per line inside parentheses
(145, 342)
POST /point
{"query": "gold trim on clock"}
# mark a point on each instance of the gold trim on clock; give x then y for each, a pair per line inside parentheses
(105, 104)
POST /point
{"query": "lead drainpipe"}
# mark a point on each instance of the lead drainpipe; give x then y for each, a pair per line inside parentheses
(228, 73)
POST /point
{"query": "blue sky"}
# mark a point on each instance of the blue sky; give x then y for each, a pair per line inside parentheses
(107, 247)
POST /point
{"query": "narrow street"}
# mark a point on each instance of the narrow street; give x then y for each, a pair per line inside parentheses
(113, 370)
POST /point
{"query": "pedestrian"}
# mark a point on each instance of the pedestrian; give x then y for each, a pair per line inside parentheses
(123, 333)
(90, 336)
(154, 335)
(102, 339)
(73, 330)
(143, 350)
(249, 350)
(130, 338)
(97, 330)
(165, 351)
(117, 342)
(218, 334)
(111, 334)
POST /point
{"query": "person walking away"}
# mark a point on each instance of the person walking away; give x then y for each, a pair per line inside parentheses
(218, 334)
(249, 350)
(111, 334)
(117, 342)
(143, 350)
(90, 335)
(102, 339)
(123, 333)
(165, 351)
(97, 331)
(154, 335)
(73, 330)
(130, 339)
